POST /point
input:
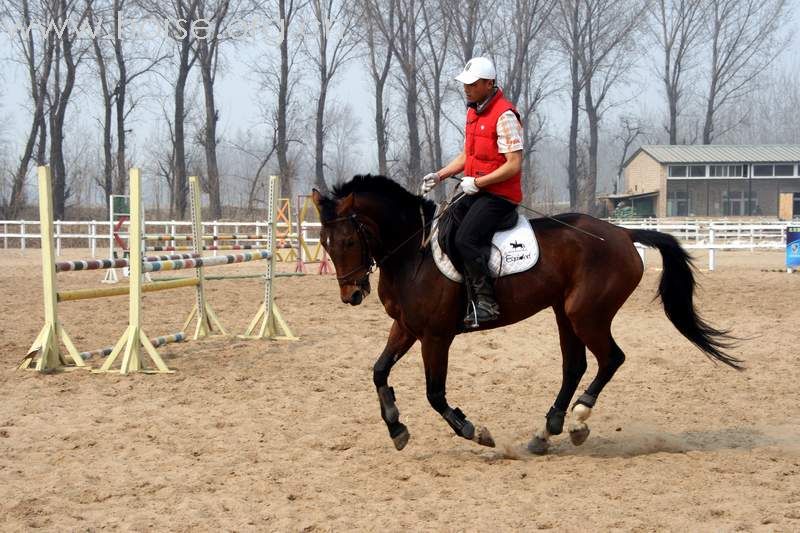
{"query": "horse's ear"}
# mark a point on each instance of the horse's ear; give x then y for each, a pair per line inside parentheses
(316, 197)
(345, 204)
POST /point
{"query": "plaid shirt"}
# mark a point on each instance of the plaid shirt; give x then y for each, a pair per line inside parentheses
(509, 133)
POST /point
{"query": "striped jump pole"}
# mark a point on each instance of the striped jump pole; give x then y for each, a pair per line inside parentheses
(134, 338)
(180, 264)
(208, 248)
(221, 237)
(45, 353)
(156, 342)
(101, 264)
(268, 323)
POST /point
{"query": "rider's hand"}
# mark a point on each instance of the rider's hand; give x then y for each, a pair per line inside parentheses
(468, 185)
(428, 183)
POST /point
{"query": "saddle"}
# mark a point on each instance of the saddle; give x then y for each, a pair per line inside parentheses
(514, 248)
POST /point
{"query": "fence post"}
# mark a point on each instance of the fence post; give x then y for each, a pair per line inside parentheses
(5, 236)
(58, 238)
(215, 242)
(93, 238)
(22, 242)
(712, 252)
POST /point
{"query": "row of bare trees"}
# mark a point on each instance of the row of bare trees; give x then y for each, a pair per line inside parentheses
(707, 56)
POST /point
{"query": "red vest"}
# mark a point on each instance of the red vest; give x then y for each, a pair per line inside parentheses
(480, 147)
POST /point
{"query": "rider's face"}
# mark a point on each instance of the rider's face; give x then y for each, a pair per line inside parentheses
(478, 91)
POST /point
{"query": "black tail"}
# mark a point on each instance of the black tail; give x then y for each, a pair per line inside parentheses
(676, 290)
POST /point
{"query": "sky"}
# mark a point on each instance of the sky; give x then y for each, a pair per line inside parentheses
(238, 98)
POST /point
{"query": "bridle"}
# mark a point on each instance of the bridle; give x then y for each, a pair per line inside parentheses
(368, 264)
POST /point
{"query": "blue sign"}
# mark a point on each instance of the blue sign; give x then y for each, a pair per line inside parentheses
(793, 247)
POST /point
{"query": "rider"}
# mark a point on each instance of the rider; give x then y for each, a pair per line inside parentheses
(491, 161)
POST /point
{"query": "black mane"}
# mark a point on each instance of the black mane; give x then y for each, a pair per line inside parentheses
(396, 196)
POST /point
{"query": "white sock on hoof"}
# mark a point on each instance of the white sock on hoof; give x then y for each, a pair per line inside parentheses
(581, 412)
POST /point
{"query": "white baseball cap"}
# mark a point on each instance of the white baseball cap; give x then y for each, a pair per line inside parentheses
(477, 68)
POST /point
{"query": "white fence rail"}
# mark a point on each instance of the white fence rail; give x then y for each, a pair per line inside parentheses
(708, 235)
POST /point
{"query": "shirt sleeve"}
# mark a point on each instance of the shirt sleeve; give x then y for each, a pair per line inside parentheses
(509, 133)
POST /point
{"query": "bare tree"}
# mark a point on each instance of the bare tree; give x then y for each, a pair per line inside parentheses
(380, 32)
(519, 49)
(343, 131)
(466, 20)
(436, 49)
(335, 45)
(630, 129)
(37, 57)
(745, 38)
(677, 26)
(405, 39)
(116, 71)
(182, 19)
(218, 14)
(68, 54)
(569, 28)
(606, 57)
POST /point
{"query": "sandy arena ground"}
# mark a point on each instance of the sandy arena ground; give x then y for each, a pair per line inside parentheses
(256, 436)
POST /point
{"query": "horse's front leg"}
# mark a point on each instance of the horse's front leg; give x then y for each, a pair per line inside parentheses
(435, 351)
(399, 342)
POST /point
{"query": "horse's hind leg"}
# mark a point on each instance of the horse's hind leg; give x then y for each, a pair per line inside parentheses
(573, 355)
(609, 358)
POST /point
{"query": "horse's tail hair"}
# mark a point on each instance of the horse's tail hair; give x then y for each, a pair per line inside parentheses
(676, 290)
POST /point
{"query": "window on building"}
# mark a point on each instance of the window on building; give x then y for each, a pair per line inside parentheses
(763, 171)
(734, 203)
(784, 170)
(697, 171)
(677, 202)
(727, 171)
(677, 171)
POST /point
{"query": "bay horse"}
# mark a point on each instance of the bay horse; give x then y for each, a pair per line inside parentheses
(372, 220)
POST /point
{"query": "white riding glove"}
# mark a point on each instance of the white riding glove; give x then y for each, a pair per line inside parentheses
(428, 183)
(468, 185)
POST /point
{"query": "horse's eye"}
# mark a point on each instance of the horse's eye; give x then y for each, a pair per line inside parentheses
(349, 243)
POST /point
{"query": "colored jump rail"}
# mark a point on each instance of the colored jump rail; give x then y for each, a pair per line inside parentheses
(101, 264)
(223, 237)
(156, 342)
(105, 292)
(160, 266)
(207, 248)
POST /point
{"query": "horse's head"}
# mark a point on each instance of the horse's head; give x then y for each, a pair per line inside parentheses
(346, 236)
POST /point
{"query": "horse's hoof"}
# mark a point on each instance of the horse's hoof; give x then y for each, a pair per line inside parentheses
(579, 434)
(538, 445)
(401, 439)
(483, 437)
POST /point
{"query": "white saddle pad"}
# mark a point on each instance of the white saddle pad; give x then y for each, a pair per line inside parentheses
(513, 251)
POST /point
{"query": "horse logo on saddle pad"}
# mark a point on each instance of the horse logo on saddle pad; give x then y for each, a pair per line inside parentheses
(513, 251)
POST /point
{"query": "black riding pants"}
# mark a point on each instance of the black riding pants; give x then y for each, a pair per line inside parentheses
(478, 217)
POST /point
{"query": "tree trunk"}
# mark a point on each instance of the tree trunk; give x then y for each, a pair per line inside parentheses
(122, 171)
(572, 164)
(319, 133)
(179, 183)
(283, 108)
(589, 187)
(210, 140)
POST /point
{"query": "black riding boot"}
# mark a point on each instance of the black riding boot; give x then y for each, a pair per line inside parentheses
(482, 306)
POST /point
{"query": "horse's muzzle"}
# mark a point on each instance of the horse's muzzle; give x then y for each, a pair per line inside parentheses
(354, 294)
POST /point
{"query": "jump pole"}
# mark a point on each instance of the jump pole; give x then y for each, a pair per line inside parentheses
(45, 354)
(268, 322)
(134, 338)
(207, 321)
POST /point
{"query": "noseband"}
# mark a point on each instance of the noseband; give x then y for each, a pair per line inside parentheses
(367, 263)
